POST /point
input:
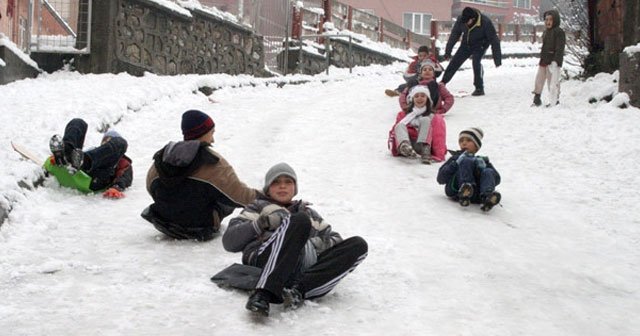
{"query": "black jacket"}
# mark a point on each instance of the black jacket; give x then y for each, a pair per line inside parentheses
(480, 36)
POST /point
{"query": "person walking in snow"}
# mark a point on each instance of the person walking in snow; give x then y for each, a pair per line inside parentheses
(300, 255)
(551, 56)
(107, 165)
(193, 187)
(478, 33)
(412, 75)
(419, 131)
(469, 178)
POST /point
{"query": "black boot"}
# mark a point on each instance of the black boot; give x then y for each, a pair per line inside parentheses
(259, 302)
(478, 92)
(490, 200)
(536, 99)
(56, 145)
(465, 193)
(293, 298)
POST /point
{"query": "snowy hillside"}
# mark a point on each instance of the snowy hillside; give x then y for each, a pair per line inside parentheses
(560, 257)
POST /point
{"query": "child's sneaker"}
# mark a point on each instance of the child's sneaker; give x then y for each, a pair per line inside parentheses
(489, 201)
(292, 298)
(391, 93)
(56, 145)
(405, 149)
(77, 158)
(465, 193)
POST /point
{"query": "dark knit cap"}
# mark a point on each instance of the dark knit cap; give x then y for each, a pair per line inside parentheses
(281, 169)
(474, 134)
(468, 13)
(195, 124)
(423, 48)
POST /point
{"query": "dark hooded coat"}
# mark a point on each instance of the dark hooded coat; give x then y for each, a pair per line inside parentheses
(553, 41)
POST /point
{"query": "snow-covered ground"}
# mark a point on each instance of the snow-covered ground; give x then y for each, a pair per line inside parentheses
(561, 257)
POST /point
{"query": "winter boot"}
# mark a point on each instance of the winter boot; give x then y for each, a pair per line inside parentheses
(57, 149)
(292, 297)
(489, 201)
(465, 193)
(425, 154)
(405, 149)
(478, 92)
(77, 158)
(536, 99)
(259, 302)
(391, 93)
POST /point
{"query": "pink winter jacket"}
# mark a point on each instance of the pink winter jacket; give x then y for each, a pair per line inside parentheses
(442, 105)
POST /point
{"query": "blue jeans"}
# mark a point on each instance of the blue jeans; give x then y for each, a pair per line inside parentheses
(483, 181)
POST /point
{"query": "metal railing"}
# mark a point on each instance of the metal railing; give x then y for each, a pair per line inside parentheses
(327, 50)
(60, 26)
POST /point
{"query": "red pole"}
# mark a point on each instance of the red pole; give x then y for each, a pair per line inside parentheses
(350, 18)
(500, 31)
(434, 36)
(517, 32)
(296, 23)
(326, 5)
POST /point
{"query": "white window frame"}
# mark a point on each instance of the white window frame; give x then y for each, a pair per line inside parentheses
(420, 22)
(524, 4)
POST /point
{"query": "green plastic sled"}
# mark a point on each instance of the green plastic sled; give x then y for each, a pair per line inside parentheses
(80, 180)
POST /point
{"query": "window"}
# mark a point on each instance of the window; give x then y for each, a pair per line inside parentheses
(419, 23)
(526, 4)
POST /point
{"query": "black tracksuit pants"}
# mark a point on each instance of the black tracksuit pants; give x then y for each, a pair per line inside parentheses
(280, 256)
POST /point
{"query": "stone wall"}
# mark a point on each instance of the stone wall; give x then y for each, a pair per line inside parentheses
(339, 57)
(138, 36)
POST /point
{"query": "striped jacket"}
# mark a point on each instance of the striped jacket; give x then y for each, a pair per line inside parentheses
(244, 234)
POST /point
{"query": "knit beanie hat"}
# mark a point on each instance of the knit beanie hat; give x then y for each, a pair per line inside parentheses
(468, 13)
(111, 134)
(419, 88)
(428, 62)
(195, 124)
(276, 171)
(474, 134)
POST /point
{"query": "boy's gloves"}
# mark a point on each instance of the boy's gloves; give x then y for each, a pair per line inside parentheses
(113, 193)
(271, 221)
(462, 156)
(480, 163)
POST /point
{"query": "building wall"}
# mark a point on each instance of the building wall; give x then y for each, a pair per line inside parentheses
(394, 10)
(503, 12)
(444, 10)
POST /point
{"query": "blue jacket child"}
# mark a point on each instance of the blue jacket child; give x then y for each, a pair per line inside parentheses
(470, 178)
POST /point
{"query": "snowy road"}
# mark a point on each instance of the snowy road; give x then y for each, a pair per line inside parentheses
(561, 257)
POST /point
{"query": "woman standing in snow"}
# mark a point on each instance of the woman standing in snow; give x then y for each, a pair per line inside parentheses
(551, 55)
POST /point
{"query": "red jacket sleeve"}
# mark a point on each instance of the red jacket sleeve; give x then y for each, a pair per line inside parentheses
(446, 99)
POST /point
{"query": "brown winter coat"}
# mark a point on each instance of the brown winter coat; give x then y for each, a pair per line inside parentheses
(553, 41)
